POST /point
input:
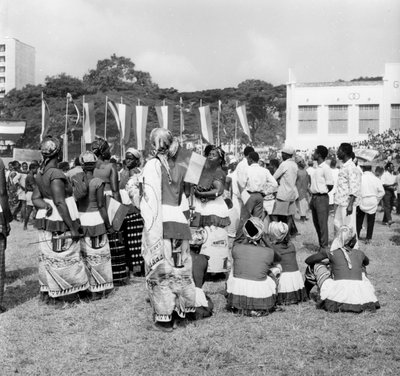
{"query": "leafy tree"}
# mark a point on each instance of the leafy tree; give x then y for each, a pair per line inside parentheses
(60, 85)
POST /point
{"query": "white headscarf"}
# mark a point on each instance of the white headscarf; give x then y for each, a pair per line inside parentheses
(344, 235)
(278, 231)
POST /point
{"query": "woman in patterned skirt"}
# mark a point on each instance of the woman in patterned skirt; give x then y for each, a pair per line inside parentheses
(133, 223)
(61, 267)
(95, 225)
(107, 171)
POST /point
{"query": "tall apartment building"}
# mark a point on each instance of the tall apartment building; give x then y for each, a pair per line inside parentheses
(329, 113)
(17, 65)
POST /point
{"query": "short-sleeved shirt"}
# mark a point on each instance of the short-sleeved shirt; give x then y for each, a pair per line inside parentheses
(44, 180)
(321, 178)
(252, 262)
(348, 184)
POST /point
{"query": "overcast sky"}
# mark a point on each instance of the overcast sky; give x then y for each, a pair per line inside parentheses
(204, 44)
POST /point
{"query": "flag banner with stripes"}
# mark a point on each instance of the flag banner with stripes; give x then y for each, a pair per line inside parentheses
(192, 163)
(182, 119)
(165, 115)
(11, 130)
(241, 112)
(89, 123)
(114, 110)
(125, 117)
(139, 125)
(205, 123)
(45, 120)
(78, 115)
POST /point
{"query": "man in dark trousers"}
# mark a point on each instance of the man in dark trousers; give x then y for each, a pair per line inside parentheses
(321, 184)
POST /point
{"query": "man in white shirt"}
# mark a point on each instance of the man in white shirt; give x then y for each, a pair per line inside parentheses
(259, 183)
(241, 169)
(321, 184)
(389, 184)
(372, 192)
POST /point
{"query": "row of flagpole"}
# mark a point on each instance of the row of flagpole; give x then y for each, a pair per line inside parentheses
(135, 118)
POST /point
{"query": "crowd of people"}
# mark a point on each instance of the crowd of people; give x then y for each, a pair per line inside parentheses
(178, 216)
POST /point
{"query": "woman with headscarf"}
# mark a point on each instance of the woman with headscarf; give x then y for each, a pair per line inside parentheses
(95, 225)
(211, 210)
(341, 279)
(252, 283)
(61, 267)
(291, 288)
(107, 171)
(166, 233)
(133, 223)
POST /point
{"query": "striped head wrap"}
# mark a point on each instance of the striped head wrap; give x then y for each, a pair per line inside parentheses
(278, 231)
(253, 229)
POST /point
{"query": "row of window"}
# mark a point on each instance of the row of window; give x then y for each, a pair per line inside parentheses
(2, 80)
(2, 47)
(2, 59)
(338, 119)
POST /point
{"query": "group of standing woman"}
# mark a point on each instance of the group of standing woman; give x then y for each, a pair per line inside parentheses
(85, 234)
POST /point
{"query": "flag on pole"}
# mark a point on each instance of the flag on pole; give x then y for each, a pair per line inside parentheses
(241, 112)
(205, 123)
(89, 123)
(219, 105)
(45, 120)
(125, 118)
(78, 115)
(139, 125)
(114, 110)
(165, 115)
(182, 119)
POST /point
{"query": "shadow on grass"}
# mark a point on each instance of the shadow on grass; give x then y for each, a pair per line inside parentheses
(395, 239)
(16, 295)
(13, 275)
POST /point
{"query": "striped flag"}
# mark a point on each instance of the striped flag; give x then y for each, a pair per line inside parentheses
(45, 120)
(114, 110)
(125, 118)
(241, 112)
(139, 125)
(89, 122)
(78, 114)
(165, 116)
(205, 123)
(182, 119)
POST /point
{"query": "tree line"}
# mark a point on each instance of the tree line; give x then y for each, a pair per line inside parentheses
(118, 78)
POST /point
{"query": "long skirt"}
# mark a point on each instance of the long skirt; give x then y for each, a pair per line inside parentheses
(133, 230)
(245, 294)
(171, 289)
(291, 288)
(97, 258)
(60, 273)
(118, 259)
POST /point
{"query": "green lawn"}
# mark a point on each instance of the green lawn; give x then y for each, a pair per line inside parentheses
(113, 336)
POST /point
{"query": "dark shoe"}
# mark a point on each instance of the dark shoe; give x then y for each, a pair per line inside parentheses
(367, 241)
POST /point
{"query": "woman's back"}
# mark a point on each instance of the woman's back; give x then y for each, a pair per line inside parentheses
(288, 255)
(340, 267)
(103, 171)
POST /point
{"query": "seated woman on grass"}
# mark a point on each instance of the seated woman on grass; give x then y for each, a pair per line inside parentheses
(341, 279)
(252, 283)
(291, 288)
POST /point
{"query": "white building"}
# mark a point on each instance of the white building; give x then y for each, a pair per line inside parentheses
(17, 65)
(329, 113)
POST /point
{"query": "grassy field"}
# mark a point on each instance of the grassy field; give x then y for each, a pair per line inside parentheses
(114, 337)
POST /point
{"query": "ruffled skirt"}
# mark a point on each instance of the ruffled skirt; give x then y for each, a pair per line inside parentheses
(213, 212)
(291, 288)
(348, 295)
(244, 294)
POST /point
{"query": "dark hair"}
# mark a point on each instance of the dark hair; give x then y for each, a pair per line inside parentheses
(346, 148)
(274, 163)
(322, 151)
(333, 162)
(15, 164)
(64, 166)
(247, 150)
(77, 162)
(207, 150)
(254, 156)
(367, 168)
(387, 165)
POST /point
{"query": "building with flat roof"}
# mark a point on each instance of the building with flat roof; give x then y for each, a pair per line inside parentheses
(17, 65)
(329, 113)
